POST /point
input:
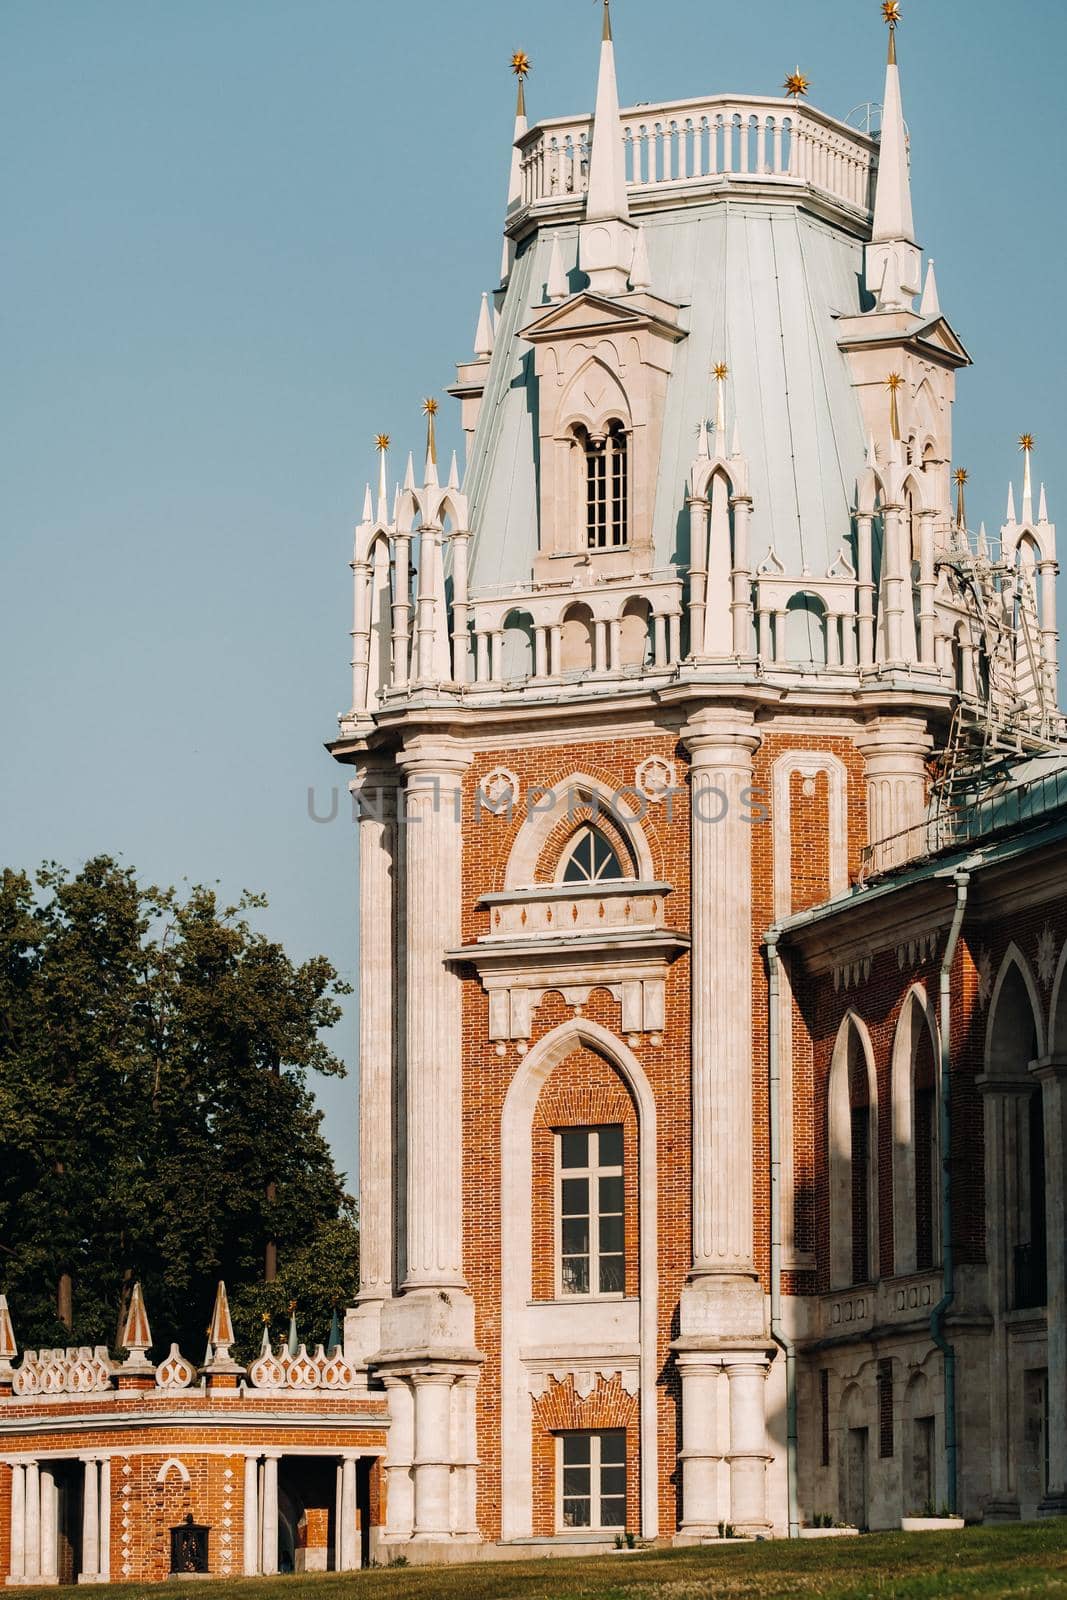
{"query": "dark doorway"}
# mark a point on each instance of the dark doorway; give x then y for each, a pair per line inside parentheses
(70, 1483)
(364, 1467)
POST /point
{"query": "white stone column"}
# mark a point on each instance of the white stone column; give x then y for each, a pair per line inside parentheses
(18, 1522)
(465, 1402)
(433, 1468)
(674, 636)
(400, 1489)
(377, 793)
(434, 768)
(91, 1522)
(748, 1455)
(700, 1455)
(894, 585)
(741, 604)
(895, 751)
(49, 1565)
(105, 1520)
(865, 591)
(698, 574)
(721, 743)
(32, 1559)
(927, 587)
(269, 1553)
(251, 1517)
(348, 1542)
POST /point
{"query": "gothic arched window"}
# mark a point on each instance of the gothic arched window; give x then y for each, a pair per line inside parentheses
(591, 859)
(607, 489)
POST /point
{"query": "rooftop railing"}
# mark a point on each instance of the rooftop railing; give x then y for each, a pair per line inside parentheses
(692, 141)
(1001, 811)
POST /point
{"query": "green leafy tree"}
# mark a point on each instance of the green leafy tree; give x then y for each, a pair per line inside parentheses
(155, 1117)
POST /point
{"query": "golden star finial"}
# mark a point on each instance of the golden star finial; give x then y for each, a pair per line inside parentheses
(520, 64)
(292, 1307)
(797, 84)
(894, 382)
(1026, 442)
(891, 12)
(266, 1316)
(429, 407)
(961, 476)
(721, 371)
(382, 441)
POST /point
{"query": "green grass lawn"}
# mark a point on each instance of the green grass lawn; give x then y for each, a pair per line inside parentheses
(1027, 1560)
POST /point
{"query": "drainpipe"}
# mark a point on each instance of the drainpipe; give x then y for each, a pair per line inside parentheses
(948, 1263)
(778, 1332)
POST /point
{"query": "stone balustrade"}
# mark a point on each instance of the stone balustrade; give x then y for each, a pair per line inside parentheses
(688, 142)
(80, 1371)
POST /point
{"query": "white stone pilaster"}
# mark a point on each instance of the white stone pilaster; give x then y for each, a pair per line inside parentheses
(433, 891)
(348, 1542)
(895, 751)
(433, 1464)
(105, 1520)
(91, 1522)
(400, 1489)
(251, 1517)
(18, 1522)
(701, 1454)
(268, 1558)
(749, 1454)
(49, 1566)
(721, 742)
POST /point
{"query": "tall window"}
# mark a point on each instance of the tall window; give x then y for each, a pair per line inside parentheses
(590, 1211)
(591, 859)
(924, 1140)
(592, 1479)
(606, 488)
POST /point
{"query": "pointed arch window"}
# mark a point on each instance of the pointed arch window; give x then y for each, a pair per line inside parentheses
(607, 488)
(591, 859)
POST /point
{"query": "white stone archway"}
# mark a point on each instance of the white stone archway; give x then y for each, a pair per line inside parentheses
(852, 1032)
(916, 1014)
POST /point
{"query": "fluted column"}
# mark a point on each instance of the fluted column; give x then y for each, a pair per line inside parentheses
(91, 1521)
(927, 587)
(269, 1553)
(18, 1522)
(865, 590)
(698, 573)
(348, 1541)
(701, 1453)
(748, 1446)
(432, 1464)
(721, 743)
(250, 1517)
(895, 751)
(434, 770)
(376, 792)
(742, 579)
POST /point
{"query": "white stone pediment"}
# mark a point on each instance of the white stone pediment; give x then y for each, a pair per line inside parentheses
(586, 312)
(941, 334)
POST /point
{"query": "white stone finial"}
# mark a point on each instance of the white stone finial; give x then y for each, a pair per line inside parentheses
(1042, 506)
(1010, 518)
(136, 1334)
(453, 473)
(983, 541)
(557, 279)
(368, 506)
(484, 337)
(409, 474)
(893, 259)
(735, 447)
(930, 306)
(1026, 445)
(640, 273)
(702, 439)
(382, 444)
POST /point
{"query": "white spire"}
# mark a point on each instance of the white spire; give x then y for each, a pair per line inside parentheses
(735, 448)
(607, 238)
(1010, 518)
(640, 274)
(702, 439)
(557, 280)
(607, 173)
(894, 261)
(872, 451)
(484, 336)
(931, 304)
(396, 501)
(383, 481)
(429, 411)
(520, 65)
(409, 475)
(1042, 506)
(368, 506)
(1028, 489)
(721, 371)
(453, 473)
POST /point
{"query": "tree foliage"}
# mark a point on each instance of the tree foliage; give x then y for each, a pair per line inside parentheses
(155, 1117)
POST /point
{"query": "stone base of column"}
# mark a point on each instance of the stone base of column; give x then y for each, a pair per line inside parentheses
(432, 1323)
(721, 1307)
(43, 1583)
(1054, 1504)
(1001, 1510)
(363, 1331)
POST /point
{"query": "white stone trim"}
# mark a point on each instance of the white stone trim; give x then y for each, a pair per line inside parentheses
(517, 1265)
(809, 764)
(164, 1471)
(839, 1141)
(1013, 956)
(537, 828)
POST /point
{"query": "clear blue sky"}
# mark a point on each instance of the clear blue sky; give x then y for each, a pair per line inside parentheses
(245, 235)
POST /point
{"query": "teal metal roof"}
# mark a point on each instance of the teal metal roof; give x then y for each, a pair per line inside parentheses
(759, 284)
